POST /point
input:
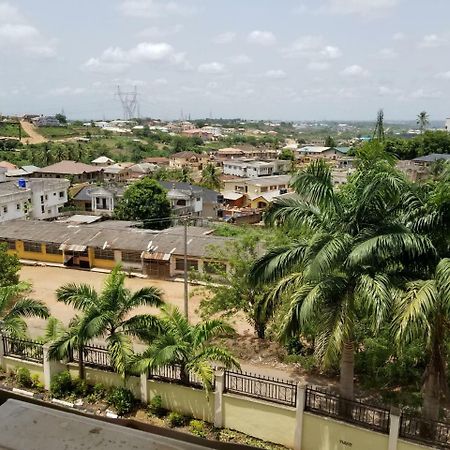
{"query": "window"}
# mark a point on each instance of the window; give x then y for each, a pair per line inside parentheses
(264, 189)
(53, 249)
(42, 209)
(61, 194)
(10, 242)
(130, 256)
(42, 199)
(99, 253)
(32, 247)
(181, 203)
(5, 209)
(18, 206)
(191, 264)
(46, 197)
(54, 193)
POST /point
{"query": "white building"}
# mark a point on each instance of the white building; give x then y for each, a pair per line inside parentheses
(46, 121)
(32, 198)
(185, 201)
(254, 169)
(447, 124)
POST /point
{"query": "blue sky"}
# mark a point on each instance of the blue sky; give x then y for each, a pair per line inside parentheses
(279, 59)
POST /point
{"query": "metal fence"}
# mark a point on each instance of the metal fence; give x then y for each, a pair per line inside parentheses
(172, 374)
(426, 431)
(264, 388)
(94, 356)
(368, 416)
(23, 349)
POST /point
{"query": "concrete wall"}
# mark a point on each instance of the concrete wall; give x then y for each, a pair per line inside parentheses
(322, 433)
(273, 423)
(405, 445)
(186, 400)
(11, 364)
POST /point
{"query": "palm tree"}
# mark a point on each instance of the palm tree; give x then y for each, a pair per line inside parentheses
(378, 132)
(422, 121)
(191, 347)
(106, 315)
(185, 175)
(424, 312)
(14, 307)
(339, 270)
(211, 177)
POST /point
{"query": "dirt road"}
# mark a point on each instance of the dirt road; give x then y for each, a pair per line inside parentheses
(33, 136)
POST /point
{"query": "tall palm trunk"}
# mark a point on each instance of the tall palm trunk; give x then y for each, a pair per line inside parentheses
(347, 370)
(80, 363)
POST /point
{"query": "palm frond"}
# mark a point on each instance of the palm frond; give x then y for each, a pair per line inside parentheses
(147, 296)
(143, 326)
(27, 307)
(120, 350)
(80, 296)
(210, 329)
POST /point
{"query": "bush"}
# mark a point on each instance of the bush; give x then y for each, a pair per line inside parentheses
(155, 407)
(36, 382)
(79, 387)
(23, 377)
(121, 399)
(175, 419)
(61, 385)
(197, 427)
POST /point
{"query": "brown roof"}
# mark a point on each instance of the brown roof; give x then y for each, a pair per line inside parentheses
(69, 168)
(156, 160)
(185, 155)
(7, 165)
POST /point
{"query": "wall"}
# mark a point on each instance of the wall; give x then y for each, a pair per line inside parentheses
(273, 423)
(322, 433)
(35, 256)
(406, 445)
(186, 400)
(11, 364)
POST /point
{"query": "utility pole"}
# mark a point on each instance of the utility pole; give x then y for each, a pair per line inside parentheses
(186, 290)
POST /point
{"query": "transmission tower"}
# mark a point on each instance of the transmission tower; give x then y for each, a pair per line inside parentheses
(130, 105)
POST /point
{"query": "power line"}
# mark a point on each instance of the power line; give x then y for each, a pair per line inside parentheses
(129, 101)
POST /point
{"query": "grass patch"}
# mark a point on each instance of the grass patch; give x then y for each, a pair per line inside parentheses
(11, 130)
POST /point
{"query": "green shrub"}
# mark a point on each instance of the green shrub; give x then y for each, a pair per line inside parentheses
(61, 385)
(121, 399)
(175, 419)
(36, 382)
(23, 377)
(197, 427)
(79, 387)
(155, 407)
(97, 394)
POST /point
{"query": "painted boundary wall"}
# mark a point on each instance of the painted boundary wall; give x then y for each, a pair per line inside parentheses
(291, 427)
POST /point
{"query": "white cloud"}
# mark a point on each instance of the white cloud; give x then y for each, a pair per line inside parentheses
(399, 36)
(426, 94)
(240, 59)
(443, 75)
(318, 66)
(301, 8)
(159, 32)
(16, 33)
(432, 41)
(359, 7)
(153, 8)
(388, 53)
(312, 47)
(115, 59)
(66, 90)
(261, 37)
(355, 71)
(388, 91)
(211, 68)
(225, 38)
(275, 74)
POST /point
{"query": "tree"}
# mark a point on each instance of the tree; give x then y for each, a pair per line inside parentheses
(287, 154)
(61, 118)
(185, 175)
(378, 132)
(422, 121)
(15, 306)
(211, 177)
(330, 142)
(191, 347)
(145, 200)
(9, 267)
(424, 312)
(339, 271)
(227, 291)
(106, 314)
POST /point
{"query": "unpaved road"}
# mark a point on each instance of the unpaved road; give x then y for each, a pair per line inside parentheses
(33, 136)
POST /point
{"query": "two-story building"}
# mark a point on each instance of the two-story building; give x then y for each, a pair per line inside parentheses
(248, 168)
(188, 159)
(252, 186)
(75, 171)
(100, 200)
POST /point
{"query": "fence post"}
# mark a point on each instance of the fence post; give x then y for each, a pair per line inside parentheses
(144, 388)
(218, 398)
(394, 428)
(2, 351)
(51, 367)
(300, 408)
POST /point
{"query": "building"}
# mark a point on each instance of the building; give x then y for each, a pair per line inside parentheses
(118, 173)
(99, 200)
(253, 186)
(46, 121)
(32, 198)
(248, 168)
(154, 253)
(24, 171)
(75, 171)
(428, 160)
(158, 160)
(185, 202)
(447, 123)
(102, 161)
(188, 159)
(309, 153)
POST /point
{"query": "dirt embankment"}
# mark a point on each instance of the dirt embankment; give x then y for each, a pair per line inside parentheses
(33, 136)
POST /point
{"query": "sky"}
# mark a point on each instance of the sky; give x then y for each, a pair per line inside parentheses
(252, 59)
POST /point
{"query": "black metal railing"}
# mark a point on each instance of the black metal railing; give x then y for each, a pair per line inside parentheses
(260, 387)
(426, 431)
(94, 356)
(23, 349)
(172, 374)
(327, 404)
